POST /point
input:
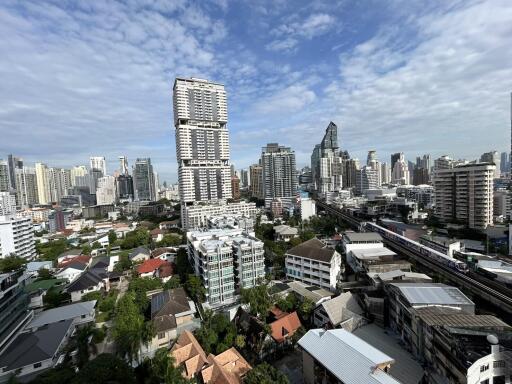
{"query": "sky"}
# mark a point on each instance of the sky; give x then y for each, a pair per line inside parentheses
(94, 78)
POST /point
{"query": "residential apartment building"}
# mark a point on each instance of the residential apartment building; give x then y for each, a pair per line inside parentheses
(106, 192)
(326, 163)
(196, 216)
(26, 190)
(14, 311)
(202, 140)
(226, 260)
(144, 180)
(492, 157)
(464, 194)
(366, 178)
(400, 169)
(43, 184)
(7, 203)
(98, 163)
(4, 176)
(256, 176)
(313, 263)
(279, 173)
(77, 174)
(17, 237)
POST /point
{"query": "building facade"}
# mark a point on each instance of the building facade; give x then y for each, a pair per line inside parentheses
(279, 173)
(326, 163)
(143, 180)
(17, 237)
(256, 176)
(464, 194)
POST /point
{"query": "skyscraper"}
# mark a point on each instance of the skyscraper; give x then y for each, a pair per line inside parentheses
(106, 193)
(4, 176)
(279, 173)
(13, 164)
(98, 163)
(400, 172)
(78, 174)
(143, 180)
(202, 140)
(256, 174)
(504, 163)
(43, 185)
(123, 165)
(373, 162)
(26, 191)
(326, 163)
(366, 178)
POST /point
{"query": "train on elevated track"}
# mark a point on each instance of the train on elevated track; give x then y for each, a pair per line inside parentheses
(427, 252)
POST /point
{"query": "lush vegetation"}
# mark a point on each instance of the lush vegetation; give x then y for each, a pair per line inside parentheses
(106, 303)
(136, 238)
(218, 334)
(160, 369)
(292, 303)
(52, 249)
(139, 286)
(11, 263)
(55, 298)
(130, 328)
(124, 262)
(170, 240)
(265, 374)
(259, 299)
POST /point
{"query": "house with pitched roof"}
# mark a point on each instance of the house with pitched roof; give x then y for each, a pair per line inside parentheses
(229, 367)
(172, 312)
(342, 311)
(89, 281)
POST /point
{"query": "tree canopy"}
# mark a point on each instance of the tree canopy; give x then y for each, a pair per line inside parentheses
(217, 333)
(260, 300)
(11, 263)
(265, 374)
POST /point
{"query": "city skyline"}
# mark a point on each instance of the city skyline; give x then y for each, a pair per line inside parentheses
(385, 78)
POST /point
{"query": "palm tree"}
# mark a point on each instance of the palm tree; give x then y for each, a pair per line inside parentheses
(83, 343)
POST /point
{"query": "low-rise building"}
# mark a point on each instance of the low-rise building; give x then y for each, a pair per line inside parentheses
(342, 311)
(313, 263)
(79, 313)
(338, 356)
(139, 254)
(36, 350)
(285, 232)
(87, 282)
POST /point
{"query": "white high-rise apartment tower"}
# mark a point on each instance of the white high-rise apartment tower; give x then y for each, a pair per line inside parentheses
(43, 184)
(98, 163)
(202, 140)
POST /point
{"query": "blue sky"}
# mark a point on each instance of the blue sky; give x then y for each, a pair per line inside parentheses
(95, 77)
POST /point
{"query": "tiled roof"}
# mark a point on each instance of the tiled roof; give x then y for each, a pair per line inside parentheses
(226, 368)
(65, 312)
(188, 352)
(285, 327)
(150, 265)
(166, 269)
(312, 249)
(82, 259)
(86, 280)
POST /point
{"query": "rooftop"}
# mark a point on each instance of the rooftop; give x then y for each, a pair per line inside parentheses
(44, 284)
(342, 308)
(451, 317)
(285, 326)
(29, 348)
(346, 356)
(150, 265)
(313, 249)
(313, 293)
(372, 253)
(406, 368)
(86, 280)
(432, 294)
(66, 312)
(226, 368)
(362, 237)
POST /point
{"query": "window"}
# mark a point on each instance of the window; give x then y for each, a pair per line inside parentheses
(484, 368)
(499, 364)
(161, 335)
(486, 381)
(498, 380)
(37, 365)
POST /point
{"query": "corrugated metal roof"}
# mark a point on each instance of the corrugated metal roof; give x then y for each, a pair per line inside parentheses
(347, 357)
(431, 294)
(62, 313)
(342, 308)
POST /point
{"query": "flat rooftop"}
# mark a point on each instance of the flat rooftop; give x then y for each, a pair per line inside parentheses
(418, 294)
(361, 237)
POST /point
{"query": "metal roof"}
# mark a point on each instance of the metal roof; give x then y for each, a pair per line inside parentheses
(362, 236)
(33, 347)
(342, 308)
(62, 313)
(432, 294)
(346, 356)
(372, 253)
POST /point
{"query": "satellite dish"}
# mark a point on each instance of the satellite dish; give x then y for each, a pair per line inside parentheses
(492, 339)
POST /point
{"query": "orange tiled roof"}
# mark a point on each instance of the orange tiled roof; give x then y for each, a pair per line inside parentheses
(188, 351)
(150, 265)
(285, 327)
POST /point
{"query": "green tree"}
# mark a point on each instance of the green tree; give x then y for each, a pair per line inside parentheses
(62, 374)
(217, 333)
(306, 308)
(265, 374)
(288, 303)
(44, 274)
(96, 245)
(259, 298)
(55, 297)
(83, 343)
(105, 368)
(240, 341)
(11, 263)
(170, 240)
(183, 267)
(163, 369)
(194, 287)
(124, 262)
(86, 249)
(136, 238)
(129, 329)
(52, 249)
(172, 283)
(139, 286)
(112, 237)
